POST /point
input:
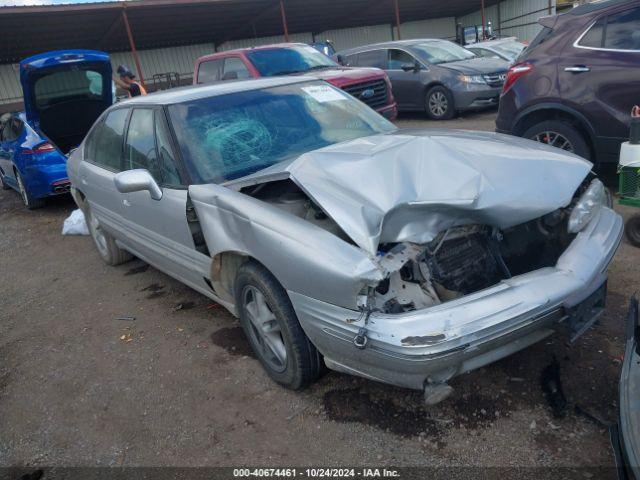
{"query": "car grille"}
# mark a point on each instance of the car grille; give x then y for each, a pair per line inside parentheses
(373, 93)
(495, 79)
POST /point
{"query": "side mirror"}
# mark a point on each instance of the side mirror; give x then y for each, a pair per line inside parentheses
(137, 180)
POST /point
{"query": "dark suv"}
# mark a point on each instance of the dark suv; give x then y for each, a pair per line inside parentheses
(575, 85)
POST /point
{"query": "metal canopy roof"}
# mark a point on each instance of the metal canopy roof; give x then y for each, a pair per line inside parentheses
(165, 23)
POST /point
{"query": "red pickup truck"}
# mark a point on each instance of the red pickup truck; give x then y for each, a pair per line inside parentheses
(370, 85)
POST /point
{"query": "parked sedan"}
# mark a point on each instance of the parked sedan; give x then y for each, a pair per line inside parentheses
(506, 49)
(64, 93)
(406, 257)
(435, 76)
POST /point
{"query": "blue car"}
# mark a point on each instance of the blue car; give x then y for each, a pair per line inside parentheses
(64, 93)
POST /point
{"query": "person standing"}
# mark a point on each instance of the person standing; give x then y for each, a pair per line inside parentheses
(126, 81)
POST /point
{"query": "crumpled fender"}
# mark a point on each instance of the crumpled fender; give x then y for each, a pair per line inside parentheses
(303, 257)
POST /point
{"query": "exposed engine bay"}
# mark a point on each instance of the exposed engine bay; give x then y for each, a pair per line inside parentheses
(457, 262)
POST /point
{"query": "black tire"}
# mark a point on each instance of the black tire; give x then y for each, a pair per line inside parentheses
(632, 230)
(29, 202)
(303, 364)
(561, 129)
(3, 185)
(104, 242)
(438, 94)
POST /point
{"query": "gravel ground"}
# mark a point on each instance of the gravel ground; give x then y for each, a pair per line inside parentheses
(178, 386)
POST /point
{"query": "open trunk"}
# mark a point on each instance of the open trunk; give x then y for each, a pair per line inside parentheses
(65, 92)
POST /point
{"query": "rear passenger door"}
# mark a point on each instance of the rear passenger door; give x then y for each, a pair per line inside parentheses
(7, 150)
(600, 72)
(157, 230)
(102, 160)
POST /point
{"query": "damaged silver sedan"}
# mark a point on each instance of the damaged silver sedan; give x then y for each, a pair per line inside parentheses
(406, 257)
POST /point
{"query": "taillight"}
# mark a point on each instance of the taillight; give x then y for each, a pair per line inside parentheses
(515, 72)
(42, 148)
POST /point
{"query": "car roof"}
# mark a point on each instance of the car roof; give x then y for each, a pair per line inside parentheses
(599, 5)
(185, 94)
(396, 43)
(269, 46)
(497, 41)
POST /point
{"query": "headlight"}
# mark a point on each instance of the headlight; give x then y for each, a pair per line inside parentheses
(587, 206)
(472, 79)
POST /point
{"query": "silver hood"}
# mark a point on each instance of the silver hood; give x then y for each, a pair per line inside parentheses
(410, 185)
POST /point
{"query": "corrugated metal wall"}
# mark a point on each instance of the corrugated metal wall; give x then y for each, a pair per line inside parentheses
(176, 59)
(254, 42)
(518, 18)
(436, 28)
(514, 14)
(10, 89)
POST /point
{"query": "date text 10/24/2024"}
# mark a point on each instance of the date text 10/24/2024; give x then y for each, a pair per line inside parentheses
(316, 472)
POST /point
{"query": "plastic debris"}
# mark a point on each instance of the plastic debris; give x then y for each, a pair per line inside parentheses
(75, 224)
(127, 319)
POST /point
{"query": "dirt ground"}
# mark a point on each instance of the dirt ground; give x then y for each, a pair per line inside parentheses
(179, 386)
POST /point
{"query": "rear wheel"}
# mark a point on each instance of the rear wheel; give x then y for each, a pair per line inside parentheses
(105, 243)
(559, 134)
(632, 230)
(272, 327)
(29, 202)
(439, 103)
(3, 185)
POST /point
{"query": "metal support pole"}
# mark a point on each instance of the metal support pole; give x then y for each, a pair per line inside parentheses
(133, 47)
(483, 19)
(550, 7)
(397, 8)
(284, 21)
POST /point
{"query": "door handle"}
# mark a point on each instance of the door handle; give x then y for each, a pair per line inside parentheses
(577, 69)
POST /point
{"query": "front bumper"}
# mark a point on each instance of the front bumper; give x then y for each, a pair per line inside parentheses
(435, 344)
(474, 99)
(390, 112)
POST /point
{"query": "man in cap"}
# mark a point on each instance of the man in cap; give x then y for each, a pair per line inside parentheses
(125, 80)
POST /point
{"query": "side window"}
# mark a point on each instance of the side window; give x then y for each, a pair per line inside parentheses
(593, 38)
(623, 30)
(375, 58)
(398, 58)
(140, 147)
(104, 146)
(166, 159)
(209, 71)
(234, 69)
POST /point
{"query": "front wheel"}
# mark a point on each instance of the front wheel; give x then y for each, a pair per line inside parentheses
(439, 103)
(632, 230)
(274, 332)
(561, 135)
(104, 242)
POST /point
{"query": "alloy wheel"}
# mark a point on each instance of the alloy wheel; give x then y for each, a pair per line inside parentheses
(264, 328)
(23, 191)
(554, 139)
(98, 236)
(438, 104)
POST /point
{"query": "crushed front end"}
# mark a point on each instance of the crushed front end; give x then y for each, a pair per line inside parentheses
(472, 295)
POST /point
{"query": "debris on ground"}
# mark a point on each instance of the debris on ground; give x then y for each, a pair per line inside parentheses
(126, 337)
(75, 224)
(552, 389)
(126, 318)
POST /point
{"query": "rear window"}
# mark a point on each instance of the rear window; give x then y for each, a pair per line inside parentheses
(66, 85)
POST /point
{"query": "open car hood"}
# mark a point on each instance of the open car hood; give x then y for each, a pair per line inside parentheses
(411, 185)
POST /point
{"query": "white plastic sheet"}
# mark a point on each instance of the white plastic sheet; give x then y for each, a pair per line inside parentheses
(75, 224)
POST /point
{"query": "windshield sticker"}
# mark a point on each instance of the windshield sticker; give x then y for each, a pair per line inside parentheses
(323, 93)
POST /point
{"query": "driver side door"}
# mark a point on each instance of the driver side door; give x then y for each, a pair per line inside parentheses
(158, 230)
(407, 85)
